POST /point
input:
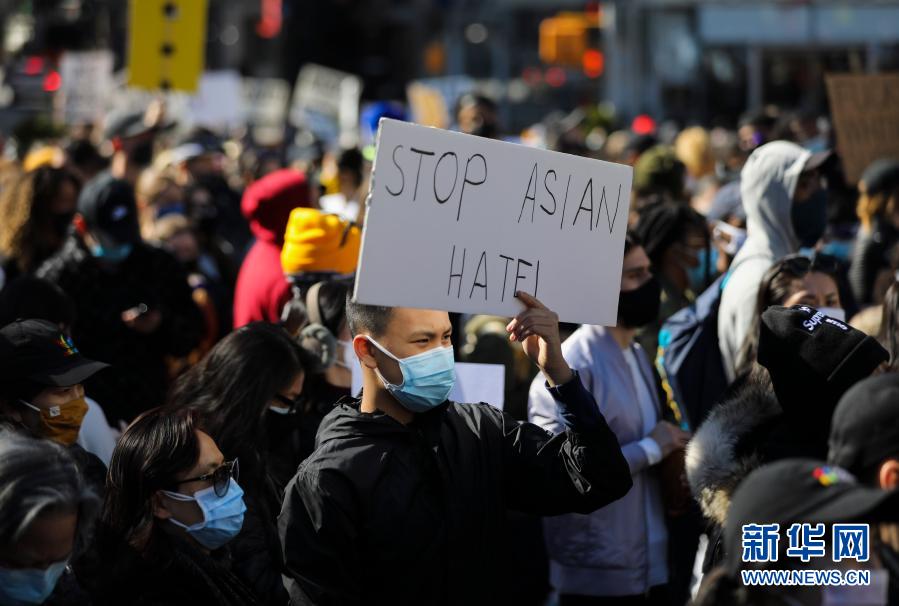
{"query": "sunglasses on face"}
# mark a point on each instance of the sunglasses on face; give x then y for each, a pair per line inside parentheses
(220, 478)
(800, 265)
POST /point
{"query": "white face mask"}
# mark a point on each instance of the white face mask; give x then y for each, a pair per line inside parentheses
(736, 236)
(347, 359)
(874, 594)
(837, 313)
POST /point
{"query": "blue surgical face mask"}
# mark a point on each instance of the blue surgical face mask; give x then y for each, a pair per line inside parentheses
(29, 585)
(222, 516)
(428, 378)
(841, 249)
(113, 254)
(708, 262)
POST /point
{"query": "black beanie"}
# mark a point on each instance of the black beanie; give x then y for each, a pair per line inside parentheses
(814, 359)
(663, 224)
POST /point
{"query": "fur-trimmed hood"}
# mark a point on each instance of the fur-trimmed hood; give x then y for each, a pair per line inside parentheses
(717, 457)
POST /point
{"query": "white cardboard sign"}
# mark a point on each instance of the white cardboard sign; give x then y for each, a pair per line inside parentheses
(459, 223)
(86, 85)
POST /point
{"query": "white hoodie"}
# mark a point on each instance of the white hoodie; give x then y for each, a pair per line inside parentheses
(767, 184)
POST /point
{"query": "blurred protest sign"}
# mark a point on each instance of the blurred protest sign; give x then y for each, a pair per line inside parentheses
(458, 222)
(86, 86)
(865, 111)
(166, 44)
(428, 106)
(326, 101)
(265, 102)
(218, 103)
(474, 383)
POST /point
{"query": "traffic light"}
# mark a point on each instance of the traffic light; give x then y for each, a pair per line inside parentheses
(563, 39)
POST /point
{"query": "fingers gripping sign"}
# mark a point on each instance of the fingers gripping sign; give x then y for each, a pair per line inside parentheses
(537, 329)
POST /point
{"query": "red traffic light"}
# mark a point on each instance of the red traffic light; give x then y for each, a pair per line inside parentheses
(52, 81)
(593, 62)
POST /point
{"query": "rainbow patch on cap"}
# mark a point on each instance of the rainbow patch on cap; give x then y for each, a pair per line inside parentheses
(67, 345)
(826, 476)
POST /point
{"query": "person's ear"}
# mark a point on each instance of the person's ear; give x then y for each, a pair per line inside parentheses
(365, 352)
(888, 477)
(158, 505)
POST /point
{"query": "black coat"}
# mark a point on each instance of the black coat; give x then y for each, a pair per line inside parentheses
(175, 573)
(255, 553)
(385, 513)
(137, 379)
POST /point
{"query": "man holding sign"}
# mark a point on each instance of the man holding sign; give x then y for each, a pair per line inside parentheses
(403, 500)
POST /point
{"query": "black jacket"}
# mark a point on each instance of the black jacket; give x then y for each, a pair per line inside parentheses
(174, 573)
(871, 255)
(138, 378)
(255, 551)
(386, 513)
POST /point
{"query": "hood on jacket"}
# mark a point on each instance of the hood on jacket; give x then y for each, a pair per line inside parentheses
(347, 421)
(767, 184)
(267, 203)
(717, 457)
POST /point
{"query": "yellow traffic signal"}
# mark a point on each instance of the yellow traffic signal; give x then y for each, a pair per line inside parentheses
(563, 39)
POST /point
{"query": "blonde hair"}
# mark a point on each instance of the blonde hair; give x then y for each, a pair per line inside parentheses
(871, 206)
(24, 211)
(151, 185)
(693, 147)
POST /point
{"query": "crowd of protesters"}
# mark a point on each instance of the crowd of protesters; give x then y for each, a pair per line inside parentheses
(178, 343)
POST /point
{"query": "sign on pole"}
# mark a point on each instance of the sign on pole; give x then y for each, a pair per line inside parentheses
(265, 101)
(327, 101)
(218, 103)
(166, 44)
(460, 223)
(865, 109)
(86, 85)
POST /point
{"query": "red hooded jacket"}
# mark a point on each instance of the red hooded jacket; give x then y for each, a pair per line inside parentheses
(262, 289)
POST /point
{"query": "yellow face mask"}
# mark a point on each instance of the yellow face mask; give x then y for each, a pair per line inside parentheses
(61, 423)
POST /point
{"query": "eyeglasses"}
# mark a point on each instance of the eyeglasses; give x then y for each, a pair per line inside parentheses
(291, 404)
(799, 265)
(220, 478)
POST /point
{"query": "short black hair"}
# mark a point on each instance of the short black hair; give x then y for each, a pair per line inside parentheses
(631, 241)
(371, 319)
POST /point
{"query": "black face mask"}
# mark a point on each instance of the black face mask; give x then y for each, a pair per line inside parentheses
(810, 219)
(60, 224)
(640, 306)
(142, 154)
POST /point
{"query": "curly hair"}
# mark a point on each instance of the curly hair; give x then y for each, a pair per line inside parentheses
(25, 215)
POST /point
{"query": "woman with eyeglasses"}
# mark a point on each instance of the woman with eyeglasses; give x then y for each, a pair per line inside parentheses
(172, 507)
(794, 280)
(245, 391)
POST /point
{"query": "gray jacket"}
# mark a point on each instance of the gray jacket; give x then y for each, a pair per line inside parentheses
(604, 553)
(767, 184)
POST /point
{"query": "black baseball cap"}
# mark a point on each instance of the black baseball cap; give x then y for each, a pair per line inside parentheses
(865, 427)
(109, 209)
(798, 491)
(817, 160)
(123, 125)
(37, 351)
(814, 359)
(881, 176)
